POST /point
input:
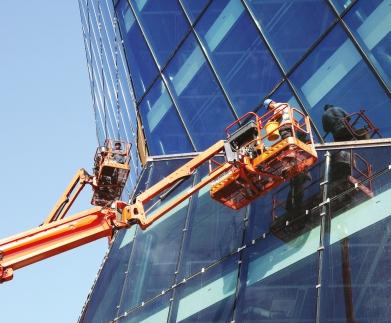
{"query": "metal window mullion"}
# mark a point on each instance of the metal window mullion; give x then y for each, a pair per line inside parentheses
(238, 289)
(281, 68)
(172, 55)
(324, 238)
(298, 98)
(125, 64)
(183, 245)
(100, 48)
(129, 78)
(164, 67)
(173, 100)
(209, 62)
(92, 78)
(359, 48)
(137, 229)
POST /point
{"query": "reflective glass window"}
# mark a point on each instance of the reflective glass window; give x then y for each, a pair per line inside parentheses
(358, 287)
(213, 231)
(292, 26)
(283, 210)
(336, 74)
(164, 131)
(153, 264)
(194, 8)
(208, 297)
(155, 311)
(107, 290)
(370, 23)
(163, 23)
(284, 94)
(201, 103)
(142, 68)
(360, 166)
(242, 61)
(341, 5)
(278, 281)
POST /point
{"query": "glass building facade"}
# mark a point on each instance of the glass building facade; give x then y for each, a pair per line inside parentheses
(169, 76)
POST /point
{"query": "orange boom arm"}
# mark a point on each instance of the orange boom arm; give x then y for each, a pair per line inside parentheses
(255, 161)
(54, 238)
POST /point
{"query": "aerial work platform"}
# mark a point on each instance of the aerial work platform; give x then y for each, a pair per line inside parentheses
(264, 153)
(111, 170)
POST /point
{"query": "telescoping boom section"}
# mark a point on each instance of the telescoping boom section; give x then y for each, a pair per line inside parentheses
(260, 152)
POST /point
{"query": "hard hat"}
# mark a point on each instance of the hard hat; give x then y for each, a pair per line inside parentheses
(266, 103)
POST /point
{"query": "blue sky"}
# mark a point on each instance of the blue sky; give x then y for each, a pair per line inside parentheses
(48, 132)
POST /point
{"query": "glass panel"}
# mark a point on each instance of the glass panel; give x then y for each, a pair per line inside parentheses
(108, 34)
(142, 68)
(155, 311)
(241, 59)
(208, 297)
(341, 5)
(160, 170)
(163, 23)
(163, 129)
(358, 287)
(155, 254)
(370, 23)
(107, 291)
(284, 94)
(283, 210)
(194, 8)
(201, 103)
(360, 166)
(213, 231)
(292, 26)
(278, 283)
(336, 74)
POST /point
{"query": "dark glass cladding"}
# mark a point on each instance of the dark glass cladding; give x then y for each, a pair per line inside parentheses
(141, 66)
(272, 293)
(357, 257)
(200, 101)
(212, 231)
(358, 287)
(370, 23)
(107, 290)
(195, 256)
(163, 129)
(155, 253)
(164, 25)
(241, 59)
(194, 8)
(154, 311)
(292, 26)
(203, 262)
(335, 73)
(209, 296)
(342, 5)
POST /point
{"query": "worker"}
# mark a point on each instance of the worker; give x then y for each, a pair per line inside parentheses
(118, 154)
(333, 121)
(282, 112)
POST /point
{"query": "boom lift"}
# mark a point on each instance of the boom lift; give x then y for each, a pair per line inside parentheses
(256, 158)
